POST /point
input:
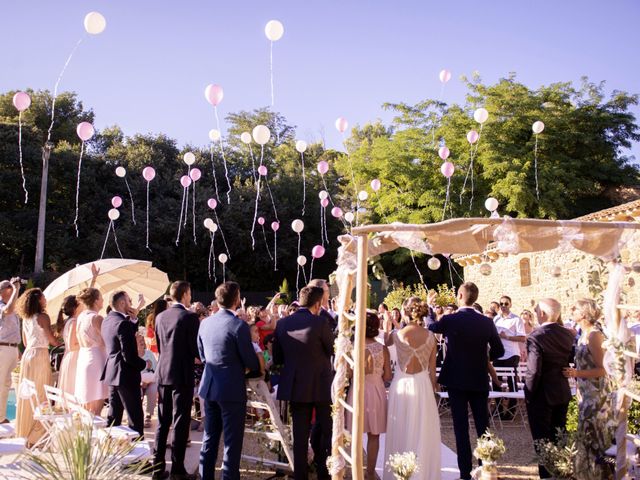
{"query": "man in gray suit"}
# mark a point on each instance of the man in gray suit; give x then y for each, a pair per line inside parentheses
(224, 343)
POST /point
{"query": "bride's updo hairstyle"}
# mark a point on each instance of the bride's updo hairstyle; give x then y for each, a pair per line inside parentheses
(417, 309)
(373, 325)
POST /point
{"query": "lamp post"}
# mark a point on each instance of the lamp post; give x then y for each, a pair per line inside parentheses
(46, 152)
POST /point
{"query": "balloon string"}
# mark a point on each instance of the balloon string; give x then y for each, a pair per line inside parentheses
(304, 275)
(535, 160)
(324, 217)
(253, 164)
(271, 72)
(446, 201)
(193, 211)
(326, 189)
(75, 220)
(311, 269)
(304, 185)
(213, 170)
(24, 181)
(133, 211)
(413, 259)
(115, 238)
(275, 250)
(184, 194)
(186, 210)
(147, 246)
(224, 160)
(212, 255)
(272, 202)
(353, 176)
(55, 88)
(322, 225)
(255, 215)
(106, 238)
(264, 235)
(450, 272)
(464, 184)
(224, 240)
(224, 273)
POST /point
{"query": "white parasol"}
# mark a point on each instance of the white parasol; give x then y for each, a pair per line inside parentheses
(133, 276)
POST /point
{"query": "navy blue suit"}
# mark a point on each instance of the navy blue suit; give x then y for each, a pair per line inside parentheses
(472, 339)
(224, 343)
(122, 371)
(177, 339)
(303, 343)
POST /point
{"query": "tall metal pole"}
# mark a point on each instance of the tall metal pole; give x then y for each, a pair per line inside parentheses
(42, 214)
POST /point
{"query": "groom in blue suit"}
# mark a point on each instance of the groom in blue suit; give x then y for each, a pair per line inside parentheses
(224, 342)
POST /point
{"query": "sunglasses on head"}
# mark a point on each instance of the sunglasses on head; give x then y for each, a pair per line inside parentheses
(504, 304)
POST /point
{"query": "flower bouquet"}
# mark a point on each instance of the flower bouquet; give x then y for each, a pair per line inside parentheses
(403, 465)
(489, 450)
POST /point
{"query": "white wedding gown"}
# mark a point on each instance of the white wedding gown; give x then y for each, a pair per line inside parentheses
(413, 423)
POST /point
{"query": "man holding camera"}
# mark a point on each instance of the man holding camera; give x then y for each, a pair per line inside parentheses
(9, 339)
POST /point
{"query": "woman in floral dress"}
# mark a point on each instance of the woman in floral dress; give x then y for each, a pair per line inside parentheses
(596, 424)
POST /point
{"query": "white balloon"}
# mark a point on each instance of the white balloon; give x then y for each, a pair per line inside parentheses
(214, 135)
(261, 134)
(297, 225)
(121, 172)
(302, 260)
(537, 127)
(274, 30)
(114, 214)
(189, 158)
(94, 23)
(245, 137)
(433, 263)
(323, 194)
(491, 204)
(485, 269)
(349, 216)
(222, 258)
(301, 146)
(481, 115)
(210, 225)
(363, 195)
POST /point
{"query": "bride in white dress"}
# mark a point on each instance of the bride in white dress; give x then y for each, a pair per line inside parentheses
(413, 423)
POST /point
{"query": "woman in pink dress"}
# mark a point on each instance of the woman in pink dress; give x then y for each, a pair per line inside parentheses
(67, 377)
(377, 371)
(89, 389)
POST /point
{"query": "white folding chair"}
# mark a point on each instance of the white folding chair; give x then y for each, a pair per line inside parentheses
(74, 405)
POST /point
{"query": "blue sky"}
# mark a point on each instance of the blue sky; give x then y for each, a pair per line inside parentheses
(148, 70)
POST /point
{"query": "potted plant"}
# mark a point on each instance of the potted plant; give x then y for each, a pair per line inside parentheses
(403, 465)
(489, 450)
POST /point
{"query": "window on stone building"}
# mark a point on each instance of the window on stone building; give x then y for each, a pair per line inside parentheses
(525, 272)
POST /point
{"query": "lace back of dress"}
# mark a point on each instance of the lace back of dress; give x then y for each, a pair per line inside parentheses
(406, 352)
(377, 354)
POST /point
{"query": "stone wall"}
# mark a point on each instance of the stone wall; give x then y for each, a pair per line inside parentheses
(573, 269)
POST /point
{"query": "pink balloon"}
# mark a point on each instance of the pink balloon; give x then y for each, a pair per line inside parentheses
(212, 203)
(148, 173)
(445, 76)
(116, 201)
(323, 167)
(275, 226)
(317, 251)
(185, 181)
(262, 170)
(443, 153)
(336, 212)
(261, 220)
(195, 174)
(375, 184)
(214, 94)
(85, 131)
(341, 124)
(324, 202)
(447, 169)
(21, 101)
(472, 137)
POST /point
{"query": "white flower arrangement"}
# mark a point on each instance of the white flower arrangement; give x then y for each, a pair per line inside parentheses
(489, 449)
(403, 465)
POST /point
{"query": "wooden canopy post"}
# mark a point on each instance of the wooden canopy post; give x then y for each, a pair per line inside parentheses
(357, 426)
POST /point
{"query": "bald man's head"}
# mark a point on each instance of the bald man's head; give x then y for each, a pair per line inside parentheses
(548, 310)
